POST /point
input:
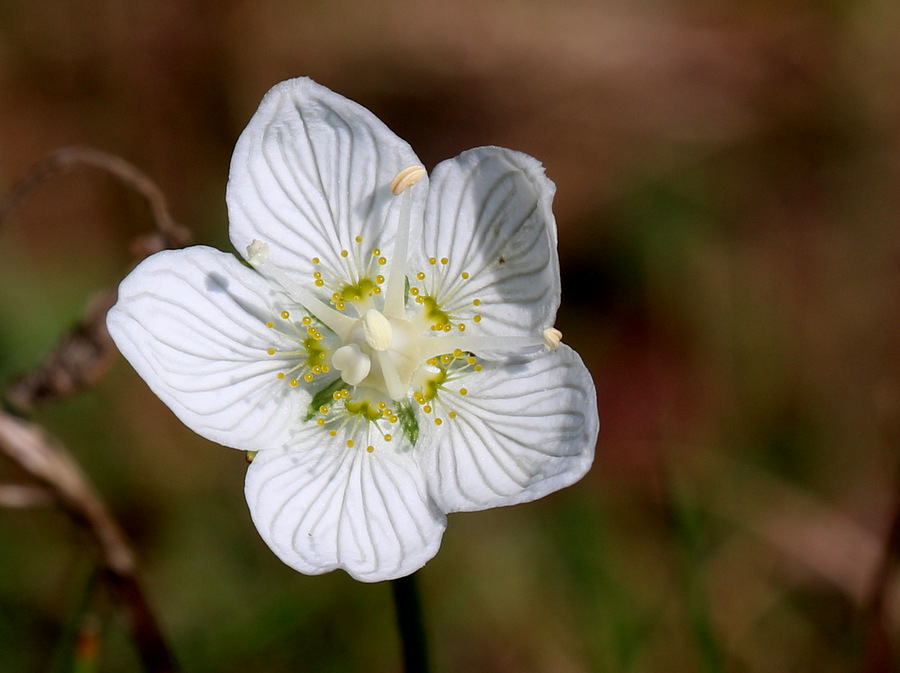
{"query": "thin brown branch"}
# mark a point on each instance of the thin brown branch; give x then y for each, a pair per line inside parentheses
(23, 496)
(169, 233)
(77, 362)
(83, 355)
(51, 465)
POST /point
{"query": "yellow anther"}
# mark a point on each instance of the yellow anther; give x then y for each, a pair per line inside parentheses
(452, 414)
(285, 314)
(320, 421)
(294, 383)
(325, 368)
(349, 443)
(438, 421)
(478, 368)
(382, 405)
(432, 261)
(476, 302)
(477, 318)
(471, 359)
(376, 252)
(270, 324)
(457, 353)
(358, 239)
(406, 179)
(420, 275)
(465, 275)
(461, 327)
(388, 437)
(280, 375)
(370, 448)
(308, 377)
(382, 261)
(463, 391)
(444, 260)
(427, 408)
(332, 432)
(336, 395)
(379, 279)
(323, 409)
(306, 320)
(344, 253)
(315, 260)
(270, 351)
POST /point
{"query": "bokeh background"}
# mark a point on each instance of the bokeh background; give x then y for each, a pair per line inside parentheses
(728, 214)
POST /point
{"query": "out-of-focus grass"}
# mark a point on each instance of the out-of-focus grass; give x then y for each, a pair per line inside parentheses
(727, 208)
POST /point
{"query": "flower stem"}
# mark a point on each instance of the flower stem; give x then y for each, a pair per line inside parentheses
(411, 624)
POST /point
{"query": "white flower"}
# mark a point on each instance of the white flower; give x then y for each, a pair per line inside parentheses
(389, 351)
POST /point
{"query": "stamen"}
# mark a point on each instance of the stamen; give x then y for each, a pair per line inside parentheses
(257, 253)
(439, 345)
(379, 334)
(552, 338)
(406, 179)
(396, 283)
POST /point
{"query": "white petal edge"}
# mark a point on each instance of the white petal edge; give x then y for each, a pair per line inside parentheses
(321, 505)
(311, 171)
(489, 212)
(523, 430)
(192, 324)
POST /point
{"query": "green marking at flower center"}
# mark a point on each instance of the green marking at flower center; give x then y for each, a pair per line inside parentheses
(431, 309)
(433, 383)
(316, 352)
(363, 408)
(358, 291)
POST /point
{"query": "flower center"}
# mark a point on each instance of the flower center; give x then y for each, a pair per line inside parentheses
(380, 353)
(396, 337)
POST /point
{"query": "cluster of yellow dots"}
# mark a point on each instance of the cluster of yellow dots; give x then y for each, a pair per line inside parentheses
(346, 412)
(442, 314)
(311, 354)
(359, 280)
(451, 366)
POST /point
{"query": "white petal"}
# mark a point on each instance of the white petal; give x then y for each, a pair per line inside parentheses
(523, 430)
(312, 171)
(321, 506)
(192, 323)
(489, 213)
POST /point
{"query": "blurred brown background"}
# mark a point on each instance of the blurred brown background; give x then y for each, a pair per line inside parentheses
(727, 204)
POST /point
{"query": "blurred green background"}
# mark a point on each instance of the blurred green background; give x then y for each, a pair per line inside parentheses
(728, 183)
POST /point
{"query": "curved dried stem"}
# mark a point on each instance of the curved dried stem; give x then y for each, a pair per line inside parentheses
(53, 467)
(169, 233)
